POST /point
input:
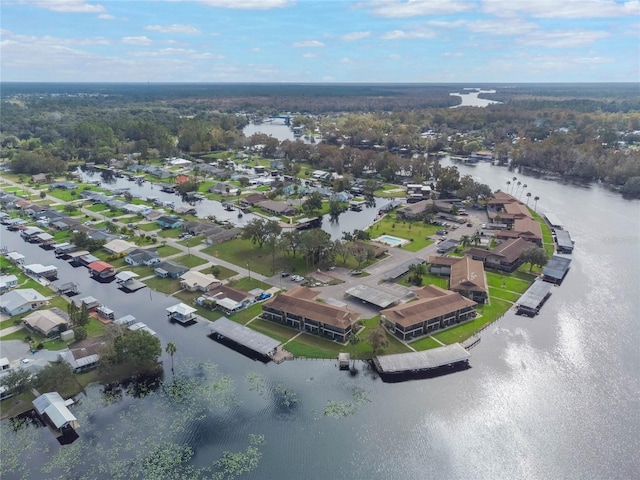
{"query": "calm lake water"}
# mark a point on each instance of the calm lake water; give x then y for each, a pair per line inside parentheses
(556, 396)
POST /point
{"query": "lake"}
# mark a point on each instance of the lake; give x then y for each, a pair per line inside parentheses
(555, 396)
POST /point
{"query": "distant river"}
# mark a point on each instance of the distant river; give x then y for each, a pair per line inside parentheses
(470, 98)
(555, 396)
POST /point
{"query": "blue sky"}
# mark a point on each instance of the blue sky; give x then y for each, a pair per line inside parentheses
(320, 40)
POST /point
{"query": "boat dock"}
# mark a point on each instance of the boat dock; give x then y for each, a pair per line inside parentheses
(533, 299)
(556, 269)
(564, 242)
(433, 362)
(225, 331)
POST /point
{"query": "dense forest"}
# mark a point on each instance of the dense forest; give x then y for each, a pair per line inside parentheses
(590, 132)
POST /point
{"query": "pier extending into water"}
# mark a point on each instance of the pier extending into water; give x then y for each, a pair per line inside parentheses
(433, 362)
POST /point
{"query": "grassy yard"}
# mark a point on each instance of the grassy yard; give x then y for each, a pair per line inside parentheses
(148, 227)
(238, 251)
(225, 273)
(507, 282)
(192, 242)
(425, 343)
(487, 314)
(169, 232)
(418, 232)
(273, 330)
(190, 260)
(247, 284)
(164, 285)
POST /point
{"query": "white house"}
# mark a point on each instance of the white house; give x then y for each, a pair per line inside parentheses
(194, 280)
(21, 300)
(7, 282)
(140, 256)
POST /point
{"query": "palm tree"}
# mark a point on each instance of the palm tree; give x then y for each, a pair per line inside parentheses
(465, 241)
(536, 198)
(528, 197)
(522, 191)
(111, 227)
(171, 349)
(508, 183)
(513, 183)
(517, 188)
(476, 239)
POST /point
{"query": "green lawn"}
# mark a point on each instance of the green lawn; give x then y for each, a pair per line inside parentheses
(225, 273)
(164, 285)
(167, 250)
(169, 232)
(190, 261)
(99, 207)
(503, 294)
(507, 282)
(418, 232)
(425, 343)
(238, 251)
(273, 330)
(488, 314)
(192, 242)
(148, 227)
(247, 284)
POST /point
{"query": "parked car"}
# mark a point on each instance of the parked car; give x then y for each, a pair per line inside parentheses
(356, 272)
(284, 274)
(296, 278)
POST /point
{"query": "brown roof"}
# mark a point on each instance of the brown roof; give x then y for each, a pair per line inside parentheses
(517, 208)
(431, 291)
(299, 301)
(442, 261)
(468, 274)
(277, 207)
(528, 226)
(254, 198)
(223, 291)
(508, 251)
(426, 308)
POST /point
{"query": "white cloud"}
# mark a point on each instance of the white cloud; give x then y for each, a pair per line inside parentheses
(106, 16)
(136, 40)
(311, 55)
(562, 39)
(345, 60)
(562, 8)
(308, 44)
(402, 35)
(453, 54)
(256, 49)
(174, 28)
(249, 4)
(500, 27)
(395, 56)
(349, 37)
(69, 6)
(415, 8)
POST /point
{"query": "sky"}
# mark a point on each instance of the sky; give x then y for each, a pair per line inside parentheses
(320, 41)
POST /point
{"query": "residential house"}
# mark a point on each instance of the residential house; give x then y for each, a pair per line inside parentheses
(169, 222)
(223, 236)
(15, 258)
(468, 279)
(7, 282)
(118, 246)
(277, 208)
(50, 323)
(168, 269)
(198, 281)
(505, 257)
(229, 300)
(21, 300)
(39, 178)
(441, 265)
(141, 256)
(435, 309)
(252, 199)
(298, 308)
(223, 189)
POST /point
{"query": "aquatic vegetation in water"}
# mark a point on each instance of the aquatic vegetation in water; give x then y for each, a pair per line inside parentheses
(338, 409)
(287, 397)
(234, 464)
(256, 382)
(16, 437)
